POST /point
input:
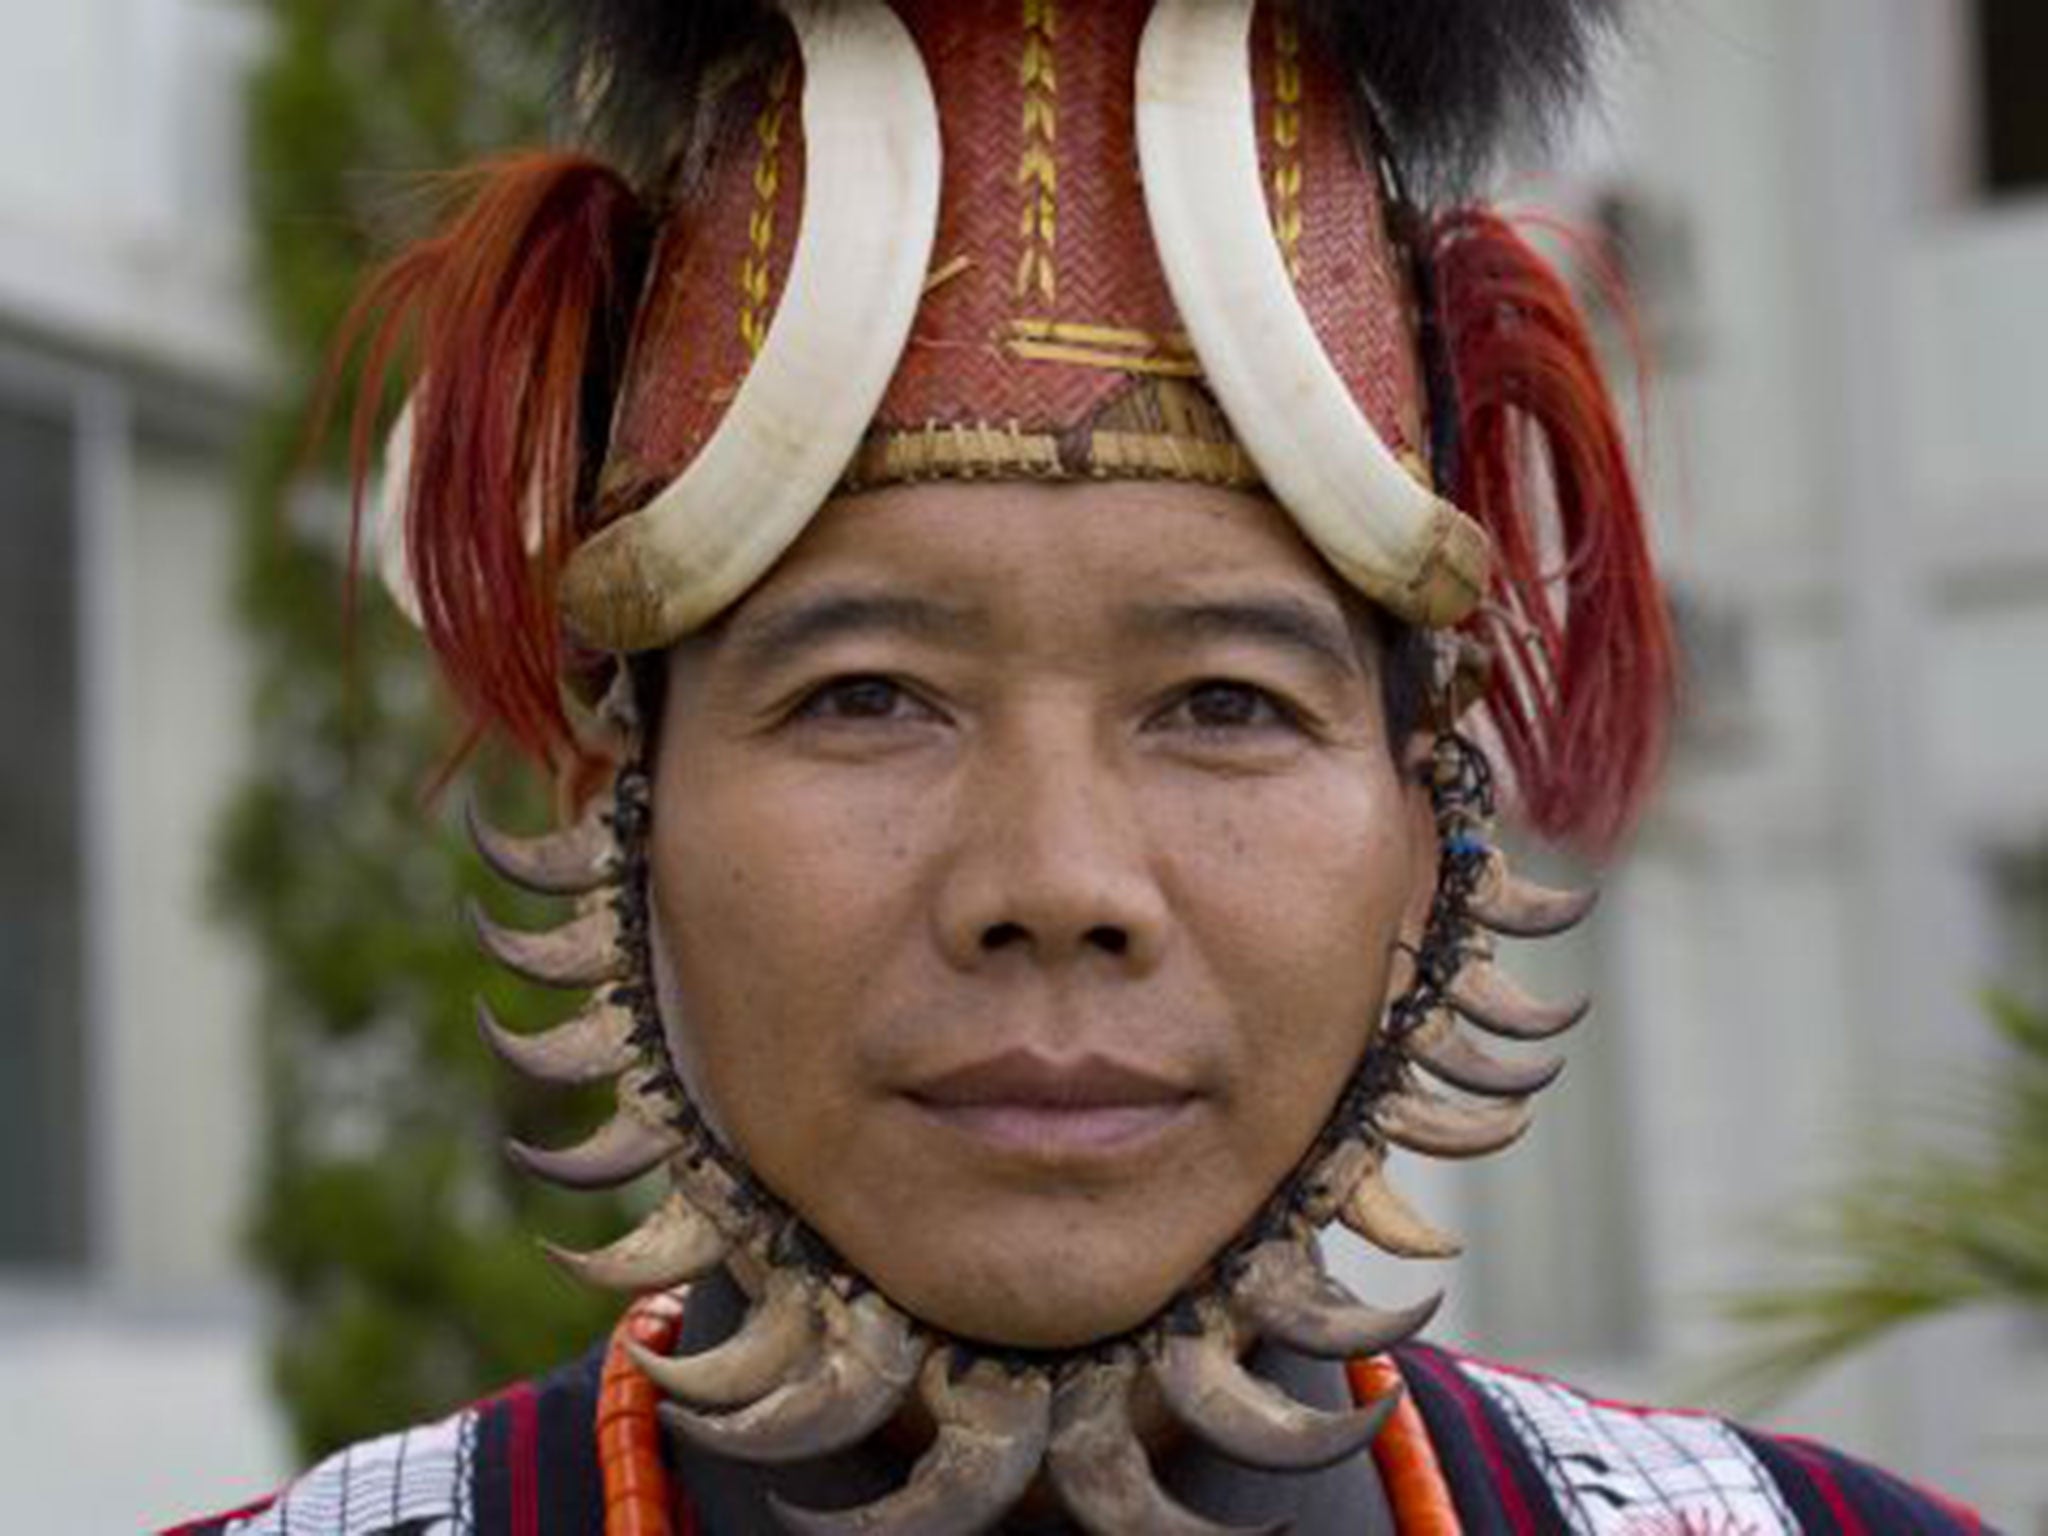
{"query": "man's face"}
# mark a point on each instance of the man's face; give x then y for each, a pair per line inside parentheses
(1028, 862)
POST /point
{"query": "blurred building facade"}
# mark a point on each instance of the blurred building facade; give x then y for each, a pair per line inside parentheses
(1834, 223)
(1835, 235)
(128, 356)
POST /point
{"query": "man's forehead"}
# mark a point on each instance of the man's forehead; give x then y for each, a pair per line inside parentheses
(992, 545)
(785, 624)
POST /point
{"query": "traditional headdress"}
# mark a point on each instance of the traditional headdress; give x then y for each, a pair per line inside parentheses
(838, 244)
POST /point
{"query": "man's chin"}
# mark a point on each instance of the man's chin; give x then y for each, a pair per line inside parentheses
(1029, 1294)
(1023, 1236)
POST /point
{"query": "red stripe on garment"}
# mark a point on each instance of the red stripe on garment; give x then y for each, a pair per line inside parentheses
(1446, 1375)
(1815, 1466)
(220, 1521)
(522, 1454)
(1960, 1512)
(1807, 1452)
(686, 1516)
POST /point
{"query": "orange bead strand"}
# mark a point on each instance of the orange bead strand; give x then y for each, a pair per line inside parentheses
(1409, 1469)
(639, 1501)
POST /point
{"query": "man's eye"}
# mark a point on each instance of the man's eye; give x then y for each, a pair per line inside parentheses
(859, 698)
(1226, 706)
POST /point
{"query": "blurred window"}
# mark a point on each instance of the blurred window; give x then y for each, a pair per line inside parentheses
(42, 1193)
(2012, 96)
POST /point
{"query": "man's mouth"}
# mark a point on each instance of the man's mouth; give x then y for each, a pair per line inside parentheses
(1026, 1102)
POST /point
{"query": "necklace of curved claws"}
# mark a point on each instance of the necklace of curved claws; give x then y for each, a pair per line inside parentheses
(822, 1360)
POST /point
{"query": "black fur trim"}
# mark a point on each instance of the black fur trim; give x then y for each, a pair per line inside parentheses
(1454, 82)
(1451, 82)
(632, 70)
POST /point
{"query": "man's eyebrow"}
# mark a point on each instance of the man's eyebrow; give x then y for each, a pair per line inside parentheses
(764, 641)
(1290, 622)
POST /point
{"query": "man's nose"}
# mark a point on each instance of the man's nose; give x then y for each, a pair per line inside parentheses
(1050, 859)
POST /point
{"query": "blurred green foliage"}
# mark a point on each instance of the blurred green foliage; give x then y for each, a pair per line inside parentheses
(1945, 1229)
(397, 1240)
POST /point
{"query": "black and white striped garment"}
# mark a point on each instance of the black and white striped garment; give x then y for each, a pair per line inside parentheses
(1524, 1456)
(1529, 1456)
(417, 1482)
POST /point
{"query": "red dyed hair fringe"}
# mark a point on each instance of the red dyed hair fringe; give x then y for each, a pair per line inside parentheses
(1584, 673)
(509, 326)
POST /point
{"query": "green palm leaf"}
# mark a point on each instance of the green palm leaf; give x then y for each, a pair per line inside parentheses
(1951, 1229)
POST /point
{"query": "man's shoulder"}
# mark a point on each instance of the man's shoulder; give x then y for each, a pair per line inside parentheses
(1532, 1453)
(522, 1459)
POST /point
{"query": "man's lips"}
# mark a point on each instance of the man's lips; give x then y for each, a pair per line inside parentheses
(1027, 1102)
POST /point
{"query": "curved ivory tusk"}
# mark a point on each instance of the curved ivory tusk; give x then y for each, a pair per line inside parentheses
(1377, 1213)
(1446, 1052)
(1485, 994)
(781, 1330)
(629, 1144)
(871, 202)
(594, 1045)
(675, 1245)
(1521, 909)
(866, 1368)
(1285, 1295)
(394, 497)
(1249, 1420)
(393, 515)
(1387, 534)
(1100, 1469)
(572, 862)
(993, 1429)
(1430, 1124)
(582, 953)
